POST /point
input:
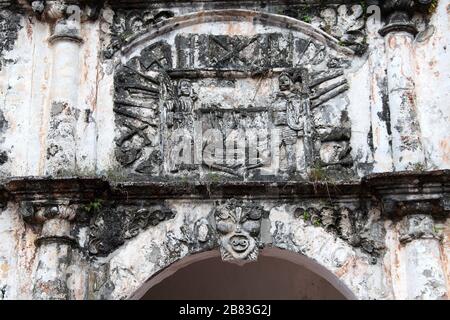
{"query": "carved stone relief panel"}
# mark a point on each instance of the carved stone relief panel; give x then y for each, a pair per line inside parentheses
(260, 51)
(269, 104)
(136, 104)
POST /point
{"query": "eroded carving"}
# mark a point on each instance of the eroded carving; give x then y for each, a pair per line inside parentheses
(120, 25)
(346, 23)
(163, 109)
(10, 23)
(113, 225)
(39, 212)
(418, 226)
(239, 223)
(355, 226)
(61, 137)
(399, 14)
(137, 109)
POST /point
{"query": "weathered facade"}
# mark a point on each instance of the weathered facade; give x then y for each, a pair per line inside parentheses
(136, 134)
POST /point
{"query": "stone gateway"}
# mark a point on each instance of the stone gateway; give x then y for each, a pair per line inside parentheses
(143, 142)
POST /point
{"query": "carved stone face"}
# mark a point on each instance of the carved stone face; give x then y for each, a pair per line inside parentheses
(239, 224)
(185, 88)
(284, 82)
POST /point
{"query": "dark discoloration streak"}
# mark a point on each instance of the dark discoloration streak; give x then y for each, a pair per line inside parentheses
(10, 24)
(385, 114)
(3, 127)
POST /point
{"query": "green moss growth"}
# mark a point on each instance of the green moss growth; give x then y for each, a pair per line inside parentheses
(317, 174)
(94, 206)
(306, 18)
(213, 177)
(306, 215)
(433, 6)
(417, 167)
(114, 175)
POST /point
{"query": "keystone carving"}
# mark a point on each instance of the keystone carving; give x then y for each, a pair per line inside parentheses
(238, 223)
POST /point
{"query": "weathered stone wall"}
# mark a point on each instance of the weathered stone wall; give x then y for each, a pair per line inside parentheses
(100, 95)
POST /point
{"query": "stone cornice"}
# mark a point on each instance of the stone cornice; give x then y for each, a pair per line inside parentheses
(39, 6)
(400, 194)
(408, 193)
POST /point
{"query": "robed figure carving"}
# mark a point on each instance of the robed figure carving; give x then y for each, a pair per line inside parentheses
(180, 120)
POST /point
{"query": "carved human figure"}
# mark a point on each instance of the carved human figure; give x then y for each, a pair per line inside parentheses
(238, 224)
(186, 95)
(180, 107)
(290, 114)
(181, 120)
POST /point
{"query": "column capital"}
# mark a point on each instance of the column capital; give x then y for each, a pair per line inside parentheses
(398, 15)
(38, 212)
(418, 226)
(54, 10)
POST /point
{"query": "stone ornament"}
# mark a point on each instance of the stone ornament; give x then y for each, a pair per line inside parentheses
(39, 212)
(113, 225)
(9, 29)
(157, 98)
(54, 10)
(123, 24)
(346, 23)
(418, 226)
(356, 226)
(238, 223)
(399, 14)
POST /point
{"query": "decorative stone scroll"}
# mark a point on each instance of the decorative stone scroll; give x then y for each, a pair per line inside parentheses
(113, 225)
(359, 227)
(172, 97)
(346, 23)
(123, 24)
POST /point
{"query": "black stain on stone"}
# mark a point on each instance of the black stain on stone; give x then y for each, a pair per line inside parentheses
(3, 292)
(370, 139)
(385, 114)
(3, 157)
(9, 28)
(3, 123)
(3, 127)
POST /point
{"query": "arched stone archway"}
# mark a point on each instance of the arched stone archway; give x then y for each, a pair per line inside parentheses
(192, 234)
(278, 274)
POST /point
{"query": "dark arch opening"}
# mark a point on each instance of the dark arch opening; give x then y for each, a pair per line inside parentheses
(273, 276)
